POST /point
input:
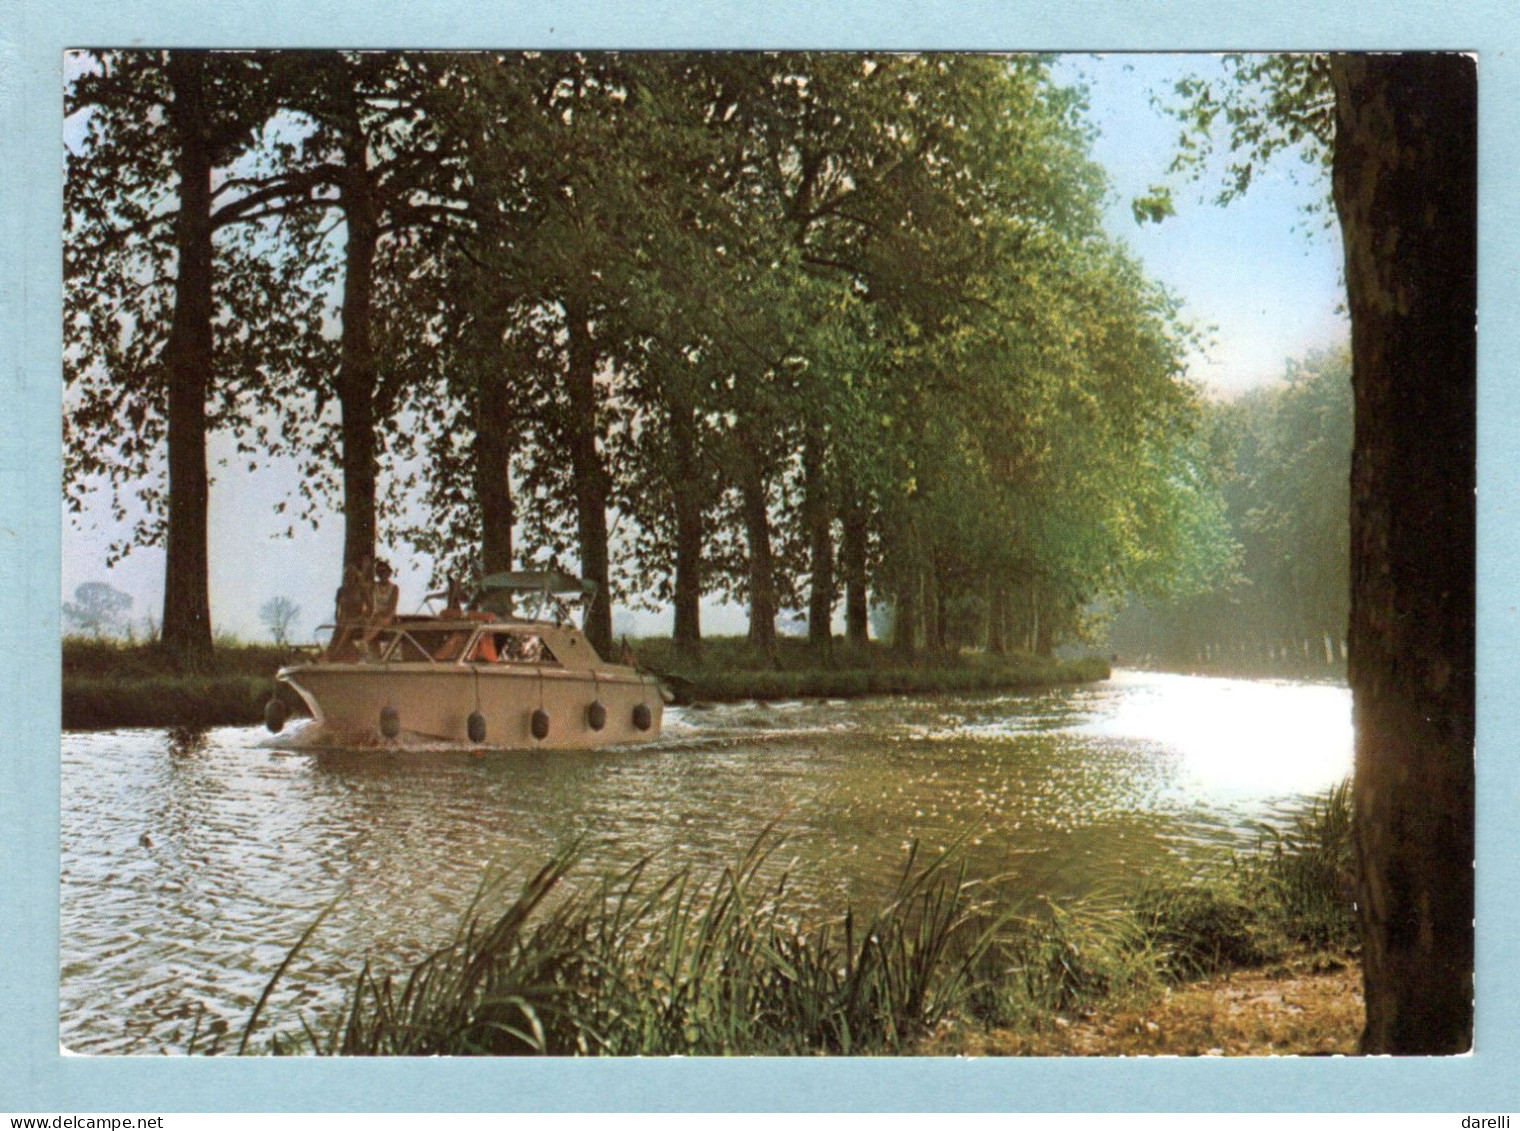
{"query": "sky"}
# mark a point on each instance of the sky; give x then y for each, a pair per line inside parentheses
(1260, 276)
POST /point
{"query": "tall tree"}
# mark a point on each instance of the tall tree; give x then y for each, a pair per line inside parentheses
(146, 286)
(187, 600)
(376, 153)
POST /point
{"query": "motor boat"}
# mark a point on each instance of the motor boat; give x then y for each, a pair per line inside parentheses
(484, 674)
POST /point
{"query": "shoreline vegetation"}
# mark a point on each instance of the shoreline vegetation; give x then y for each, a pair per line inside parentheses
(120, 684)
(1254, 954)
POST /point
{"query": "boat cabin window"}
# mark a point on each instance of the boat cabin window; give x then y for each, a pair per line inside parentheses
(513, 648)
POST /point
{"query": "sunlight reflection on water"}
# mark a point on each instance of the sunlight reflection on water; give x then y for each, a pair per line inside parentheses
(1238, 739)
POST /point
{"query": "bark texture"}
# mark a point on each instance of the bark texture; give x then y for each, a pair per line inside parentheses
(592, 483)
(852, 562)
(819, 517)
(358, 372)
(762, 563)
(691, 532)
(496, 428)
(187, 603)
(1405, 182)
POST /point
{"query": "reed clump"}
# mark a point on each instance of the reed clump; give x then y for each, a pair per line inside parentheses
(635, 965)
(1288, 898)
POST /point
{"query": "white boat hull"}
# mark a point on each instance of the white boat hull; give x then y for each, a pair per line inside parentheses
(435, 701)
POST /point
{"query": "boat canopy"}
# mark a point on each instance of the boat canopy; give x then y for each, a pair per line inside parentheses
(497, 589)
(554, 581)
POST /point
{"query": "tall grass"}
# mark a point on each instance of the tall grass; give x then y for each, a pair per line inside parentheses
(1295, 890)
(634, 965)
(640, 966)
(1306, 872)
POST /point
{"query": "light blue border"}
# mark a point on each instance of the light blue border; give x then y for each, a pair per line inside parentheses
(33, 1077)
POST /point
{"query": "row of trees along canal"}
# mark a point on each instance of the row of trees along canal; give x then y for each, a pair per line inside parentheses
(798, 327)
(1282, 605)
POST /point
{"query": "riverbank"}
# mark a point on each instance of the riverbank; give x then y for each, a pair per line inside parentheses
(1252, 955)
(730, 669)
(110, 684)
(1306, 1005)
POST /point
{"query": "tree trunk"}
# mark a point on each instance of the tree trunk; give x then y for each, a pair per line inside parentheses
(852, 561)
(187, 603)
(357, 372)
(997, 617)
(905, 618)
(762, 566)
(1043, 623)
(819, 518)
(690, 533)
(591, 481)
(944, 636)
(495, 430)
(933, 636)
(1405, 181)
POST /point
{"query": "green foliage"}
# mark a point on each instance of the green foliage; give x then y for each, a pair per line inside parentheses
(121, 204)
(1255, 107)
(1205, 927)
(91, 702)
(1295, 890)
(112, 684)
(733, 669)
(1308, 873)
(1292, 893)
(1286, 501)
(1063, 961)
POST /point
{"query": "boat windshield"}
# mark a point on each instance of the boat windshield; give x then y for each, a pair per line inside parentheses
(514, 647)
(420, 645)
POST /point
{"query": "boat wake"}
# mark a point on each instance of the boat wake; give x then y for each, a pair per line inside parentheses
(681, 734)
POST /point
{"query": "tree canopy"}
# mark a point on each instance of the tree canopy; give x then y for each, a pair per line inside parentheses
(782, 328)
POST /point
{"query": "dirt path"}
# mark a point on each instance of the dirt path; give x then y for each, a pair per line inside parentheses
(1312, 1007)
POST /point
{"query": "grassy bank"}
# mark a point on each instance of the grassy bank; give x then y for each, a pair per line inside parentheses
(110, 684)
(731, 669)
(639, 964)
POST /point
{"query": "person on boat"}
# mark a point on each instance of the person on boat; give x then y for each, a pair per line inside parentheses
(453, 608)
(454, 644)
(384, 597)
(485, 650)
(355, 597)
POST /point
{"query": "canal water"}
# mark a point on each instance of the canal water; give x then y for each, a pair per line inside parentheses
(192, 861)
